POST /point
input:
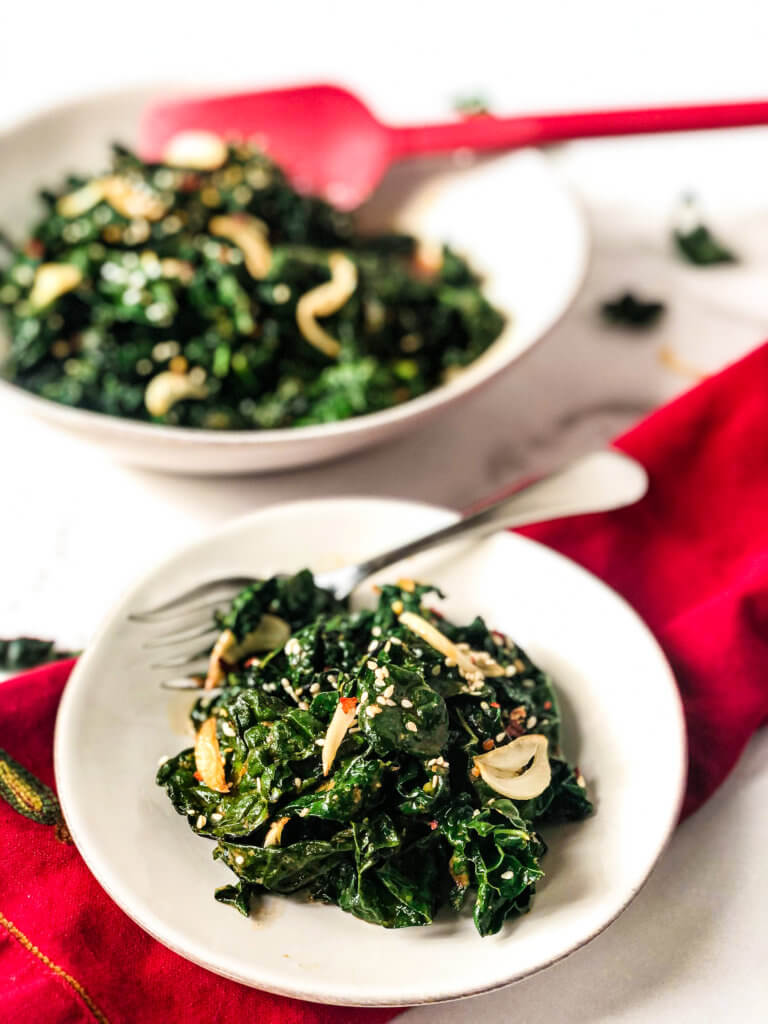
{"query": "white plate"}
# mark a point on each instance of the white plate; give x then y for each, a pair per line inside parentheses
(511, 215)
(623, 724)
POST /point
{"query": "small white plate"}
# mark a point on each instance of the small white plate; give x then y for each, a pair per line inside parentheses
(511, 215)
(623, 724)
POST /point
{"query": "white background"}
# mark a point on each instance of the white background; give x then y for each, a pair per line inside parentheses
(692, 946)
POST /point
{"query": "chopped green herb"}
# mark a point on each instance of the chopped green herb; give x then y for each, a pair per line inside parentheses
(27, 652)
(224, 299)
(471, 106)
(630, 311)
(407, 817)
(700, 247)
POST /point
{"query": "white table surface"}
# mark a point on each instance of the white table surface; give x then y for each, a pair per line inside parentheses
(76, 530)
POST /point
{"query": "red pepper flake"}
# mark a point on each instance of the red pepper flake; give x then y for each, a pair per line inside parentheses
(189, 183)
(488, 744)
(198, 776)
(251, 661)
(437, 613)
(547, 705)
(433, 825)
(495, 704)
(498, 636)
(34, 248)
(348, 704)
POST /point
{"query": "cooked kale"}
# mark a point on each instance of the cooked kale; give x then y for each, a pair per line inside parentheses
(173, 296)
(700, 247)
(630, 311)
(28, 651)
(403, 823)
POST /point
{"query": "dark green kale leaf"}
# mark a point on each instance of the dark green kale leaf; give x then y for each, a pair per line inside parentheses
(28, 651)
(629, 311)
(495, 853)
(700, 247)
(287, 868)
(399, 712)
(356, 788)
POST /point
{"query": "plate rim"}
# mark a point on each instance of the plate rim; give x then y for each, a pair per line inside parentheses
(308, 993)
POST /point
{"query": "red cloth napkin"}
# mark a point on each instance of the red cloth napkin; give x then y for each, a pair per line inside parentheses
(692, 558)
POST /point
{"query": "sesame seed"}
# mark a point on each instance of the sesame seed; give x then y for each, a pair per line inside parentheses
(436, 670)
(217, 816)
(372, 646)
(531, 722)
(297, 782)
(281, 293)
(519, 664)
(507, 875)
(239, 858)
(258, 784)
(510, 670)
(405, 703)
(485, 705)
(371, 711)
(500, 737)
(395, 640)
(381, 699)
(371, 665)
(389, 690)
(580, 781)
(435, 780)
(411, 727)
(162, 760)
(228, 729)
(320, 743)
(528, 684)
(314, 688)
(201, 821)
(376, 631)
(390, 703)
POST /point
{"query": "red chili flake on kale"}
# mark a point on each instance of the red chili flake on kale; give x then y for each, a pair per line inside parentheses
(495, 704)
(433, 825)
(348, 704)
(547, 705)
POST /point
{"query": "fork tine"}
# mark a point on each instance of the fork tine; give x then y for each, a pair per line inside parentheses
(182, 659)
(177, 606)
(175, 638)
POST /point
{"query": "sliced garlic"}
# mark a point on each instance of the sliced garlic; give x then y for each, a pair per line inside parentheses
(272, 632)
(439, 641)
(502, 767)
(275, 832)
(249, 234)
(198, 151)
(51, 281)
(225, 643)
(208, 760)
(324, 300)
(76, 203)
(129, 200)
(337, 730)
(168, 388)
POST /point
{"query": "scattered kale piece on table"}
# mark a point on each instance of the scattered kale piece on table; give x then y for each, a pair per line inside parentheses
(343, 762)
(27, 652)
(628, 310)
(700, 247)
(224, 299)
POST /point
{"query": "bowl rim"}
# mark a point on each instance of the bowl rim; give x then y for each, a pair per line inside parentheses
(500, 354)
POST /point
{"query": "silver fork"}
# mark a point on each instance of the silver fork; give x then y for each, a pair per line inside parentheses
(592, 483)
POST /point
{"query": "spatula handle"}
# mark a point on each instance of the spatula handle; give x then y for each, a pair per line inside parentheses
(486, 132)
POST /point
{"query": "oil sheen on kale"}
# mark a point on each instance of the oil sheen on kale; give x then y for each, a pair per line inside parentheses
(386, 761)
(221, 298)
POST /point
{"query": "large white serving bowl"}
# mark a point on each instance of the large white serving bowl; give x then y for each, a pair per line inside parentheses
(115, 723)
(511, 215)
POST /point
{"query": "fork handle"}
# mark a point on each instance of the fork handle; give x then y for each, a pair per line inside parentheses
(592, 483)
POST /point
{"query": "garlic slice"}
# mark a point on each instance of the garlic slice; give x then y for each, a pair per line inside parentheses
(51, 281)
(440, 642)
(225, 643)
(249, 234)
(76, 203)
(196, 151)
(325, 299)
(275, 832)
(502, 767)
(208, 760)
(337, 730)
(272, 632)
(168, 388)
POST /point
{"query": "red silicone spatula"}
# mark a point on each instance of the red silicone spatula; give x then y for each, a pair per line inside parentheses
(330, 144)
